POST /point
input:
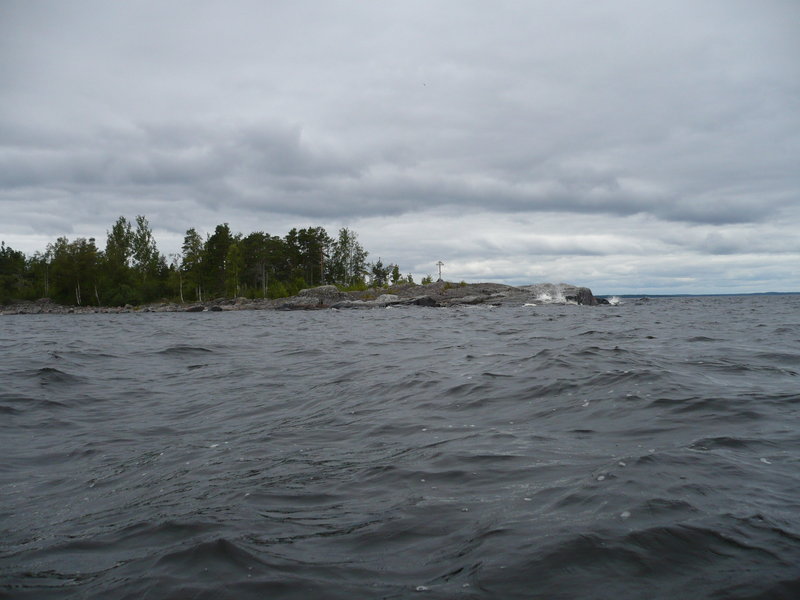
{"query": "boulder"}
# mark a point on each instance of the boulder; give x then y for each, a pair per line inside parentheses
(355, 304)
(584, 296)
(324, 296)
(470, 299)
(424, 301)
(559, 293)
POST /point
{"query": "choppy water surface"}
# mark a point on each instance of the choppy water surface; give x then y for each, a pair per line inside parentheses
(648, 450)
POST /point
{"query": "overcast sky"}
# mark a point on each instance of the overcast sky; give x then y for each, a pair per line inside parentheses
(633, 147)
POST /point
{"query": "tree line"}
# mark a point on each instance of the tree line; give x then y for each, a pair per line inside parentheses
(131, 270)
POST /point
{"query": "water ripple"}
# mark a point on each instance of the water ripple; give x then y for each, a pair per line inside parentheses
(639, 451)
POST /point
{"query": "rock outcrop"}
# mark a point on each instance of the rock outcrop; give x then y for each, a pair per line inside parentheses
(559, 293)
(439, 294)
(323, 296)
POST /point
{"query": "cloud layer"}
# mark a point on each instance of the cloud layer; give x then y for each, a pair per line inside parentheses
(627, 146)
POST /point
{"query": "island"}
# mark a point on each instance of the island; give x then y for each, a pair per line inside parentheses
(325, 297)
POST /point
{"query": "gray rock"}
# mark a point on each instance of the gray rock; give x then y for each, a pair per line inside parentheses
(327, 296)
(354, 304)
(324, 292)
(558, 293)
(324, 296)
(583, 295)
(424, 301)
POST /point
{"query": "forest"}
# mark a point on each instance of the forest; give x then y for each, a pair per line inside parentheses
(131, 270)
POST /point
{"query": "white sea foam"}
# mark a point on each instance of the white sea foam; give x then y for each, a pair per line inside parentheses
(550, 293)
(556, 297)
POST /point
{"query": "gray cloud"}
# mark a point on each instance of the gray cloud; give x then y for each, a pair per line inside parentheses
(682, 115)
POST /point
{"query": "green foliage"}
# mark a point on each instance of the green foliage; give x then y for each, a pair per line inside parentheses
(12, 273)
(119, 245)
(347, 260)
(306, 252)
(295, 285)
(427, 279)
(381, 274)
(36, 277)
(192, 264)
(234, 267)
(277, 290)
(213, 262)
(264, 260)
(115, 267)
(122, 295)
(359, 286)
(74, 271)
(132, 271)
(144, 251)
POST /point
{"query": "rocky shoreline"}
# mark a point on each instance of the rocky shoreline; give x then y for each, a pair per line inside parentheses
(440, 294)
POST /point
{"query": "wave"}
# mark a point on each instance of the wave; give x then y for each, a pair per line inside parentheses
(49, 376)
(183, 350)
(17, 404)
(731, 443)
(510, 453)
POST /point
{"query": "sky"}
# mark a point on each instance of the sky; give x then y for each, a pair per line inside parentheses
(628, 146)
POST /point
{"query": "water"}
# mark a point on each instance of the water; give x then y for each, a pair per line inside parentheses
(647, 450)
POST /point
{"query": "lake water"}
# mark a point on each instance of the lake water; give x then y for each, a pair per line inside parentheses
(647, 450)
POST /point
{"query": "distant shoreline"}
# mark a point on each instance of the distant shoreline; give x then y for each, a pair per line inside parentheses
(439, 294)
(722, 294)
